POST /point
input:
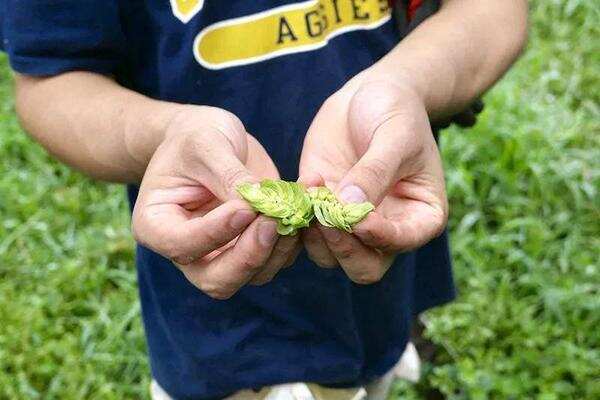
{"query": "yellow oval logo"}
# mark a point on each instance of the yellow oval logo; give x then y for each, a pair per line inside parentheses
(285, 30)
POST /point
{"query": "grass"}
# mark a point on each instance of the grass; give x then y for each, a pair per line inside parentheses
(525, 221)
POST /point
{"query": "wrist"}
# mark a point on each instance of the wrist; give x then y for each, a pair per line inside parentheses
(395, 86)
(145, 127)
(432, 77)
(409, 85)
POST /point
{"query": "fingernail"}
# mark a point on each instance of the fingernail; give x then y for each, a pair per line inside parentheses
(331, 235)
(267, 233)
(352, 194)
(241, 219)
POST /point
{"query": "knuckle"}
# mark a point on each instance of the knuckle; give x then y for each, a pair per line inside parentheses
(231, 176)
(278, 255)
(229, 125)
(283, 248)
(289, 263)
(172, 249)
(289, 244)
(249, 264)
(145, 233)
(219, 294)
(345, 252)
(327, 263)
(321, 257)
(440, 225)
(225, 119)
(138, 227)
(292, 258)
(195, 132)
(214, 291)
(312, 239)
(368, 276)
(184, 260)
(262, 280)
(214, 239)
(439, 221)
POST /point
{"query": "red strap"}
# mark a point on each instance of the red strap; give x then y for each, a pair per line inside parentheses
(413, 5)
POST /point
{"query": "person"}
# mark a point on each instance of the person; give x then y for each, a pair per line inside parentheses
(183, 100)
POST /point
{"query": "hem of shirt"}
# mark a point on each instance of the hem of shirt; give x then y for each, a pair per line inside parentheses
(437, 302)
(42, 66)
(387, 363)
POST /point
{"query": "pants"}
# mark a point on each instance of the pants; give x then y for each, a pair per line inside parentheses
(407, 368)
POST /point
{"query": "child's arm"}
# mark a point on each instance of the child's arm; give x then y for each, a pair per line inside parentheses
(91, 123)
(458, 53)
(372, 139)
(191, 158)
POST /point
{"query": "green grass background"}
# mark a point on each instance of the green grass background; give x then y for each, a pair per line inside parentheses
(523, 187)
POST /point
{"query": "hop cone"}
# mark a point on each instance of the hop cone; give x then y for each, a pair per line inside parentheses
(287, 202)
(330, 212)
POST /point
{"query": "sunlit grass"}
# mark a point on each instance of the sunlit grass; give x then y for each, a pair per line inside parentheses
(525, 221)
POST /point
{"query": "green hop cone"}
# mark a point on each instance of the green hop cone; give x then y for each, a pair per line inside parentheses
(293, 207)
(332, 213)
(287, 202)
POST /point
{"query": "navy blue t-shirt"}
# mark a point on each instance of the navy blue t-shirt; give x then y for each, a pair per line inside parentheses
(272, 63)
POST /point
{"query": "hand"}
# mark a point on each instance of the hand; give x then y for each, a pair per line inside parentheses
(371, 141)
(188, 209)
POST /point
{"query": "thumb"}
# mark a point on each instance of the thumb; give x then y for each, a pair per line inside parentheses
(219, 162)
(228, 173)
(311, 179)
(228, 155)
(393, 152)
(372, 177)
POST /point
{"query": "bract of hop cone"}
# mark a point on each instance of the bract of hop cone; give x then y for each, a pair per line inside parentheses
(287, 202)
(294, 207)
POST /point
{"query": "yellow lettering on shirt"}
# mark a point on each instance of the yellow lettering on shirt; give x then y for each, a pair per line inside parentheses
(294, 28)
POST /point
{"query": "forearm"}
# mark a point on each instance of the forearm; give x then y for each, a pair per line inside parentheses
(457, 54)
(91, 123)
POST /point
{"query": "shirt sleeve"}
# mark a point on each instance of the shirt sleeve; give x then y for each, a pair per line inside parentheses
(48, 37)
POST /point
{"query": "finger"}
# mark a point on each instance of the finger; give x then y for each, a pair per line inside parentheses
(216, 157)
(282, 251)
(226, 172)
(180, 194)
(311, 179)
(387, 158)
(311, 237)
(362, 264)
(225, 274)
(294, 255)
(317, 249)
(258, 160)
(377, 232)
(198, 200)
(408, 230)
(164, 230)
